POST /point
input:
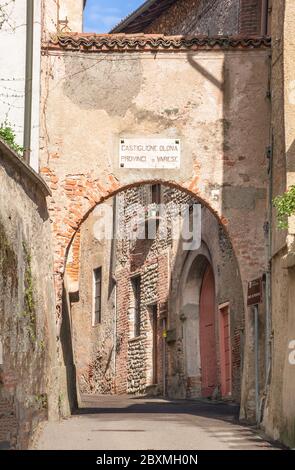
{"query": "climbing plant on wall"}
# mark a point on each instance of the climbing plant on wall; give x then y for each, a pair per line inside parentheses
(285, 206)
(29, 312)
(7, 134)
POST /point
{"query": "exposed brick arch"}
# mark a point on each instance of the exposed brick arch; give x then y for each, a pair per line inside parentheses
(83, 194)
(109, 192)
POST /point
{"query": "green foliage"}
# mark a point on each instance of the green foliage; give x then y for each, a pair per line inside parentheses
(29, 312)
(8, 261)
(7, 134)
(41, 401)
(285, 205)
(41, 345)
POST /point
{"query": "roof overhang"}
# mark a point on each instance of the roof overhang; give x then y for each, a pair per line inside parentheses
(103, 43)
(137, 21)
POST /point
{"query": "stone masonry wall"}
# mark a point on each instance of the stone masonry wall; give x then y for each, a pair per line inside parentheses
(149, 259)
(140, 257)
(194, 17)
(27, 302)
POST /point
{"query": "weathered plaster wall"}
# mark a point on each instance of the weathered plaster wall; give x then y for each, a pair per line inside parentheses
(62, 16)
(94, 343)
(27, 302)
(279, 417)
(223, 144)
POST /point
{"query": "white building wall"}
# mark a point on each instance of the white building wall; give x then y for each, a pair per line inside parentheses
(13, 57)
(62, 16)
(35, 136)
(12, 70)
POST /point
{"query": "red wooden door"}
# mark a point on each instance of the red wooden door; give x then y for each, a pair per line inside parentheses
(207, 334)
(225, 352)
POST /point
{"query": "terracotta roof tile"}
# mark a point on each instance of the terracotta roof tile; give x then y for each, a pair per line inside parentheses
(150, 42)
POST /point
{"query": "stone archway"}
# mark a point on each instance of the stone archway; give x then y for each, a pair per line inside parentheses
(83, 194)
(190, 316)
(216, 251)
(72, 268)
(198, 297)
(72, 248)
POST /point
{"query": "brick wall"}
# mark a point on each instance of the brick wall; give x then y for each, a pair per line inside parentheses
(211, 18)
(250, 17)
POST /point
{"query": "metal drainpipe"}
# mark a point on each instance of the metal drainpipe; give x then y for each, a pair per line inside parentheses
(268, 319)
(264, 17)
(29, 80)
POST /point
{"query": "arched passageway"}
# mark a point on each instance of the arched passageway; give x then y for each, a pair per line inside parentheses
(207, 311)
(218, 162)
(128, 337)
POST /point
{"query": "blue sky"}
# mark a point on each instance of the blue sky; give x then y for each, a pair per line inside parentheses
(101, 15)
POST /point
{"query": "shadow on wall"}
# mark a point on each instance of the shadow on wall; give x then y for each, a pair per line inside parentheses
(67, 350)
(242, 189)
(291, 158)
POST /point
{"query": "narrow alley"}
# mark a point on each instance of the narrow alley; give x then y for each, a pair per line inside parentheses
(147, 227)
(136, 423)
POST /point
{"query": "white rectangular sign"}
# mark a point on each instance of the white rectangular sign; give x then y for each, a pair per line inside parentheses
(150, 153)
